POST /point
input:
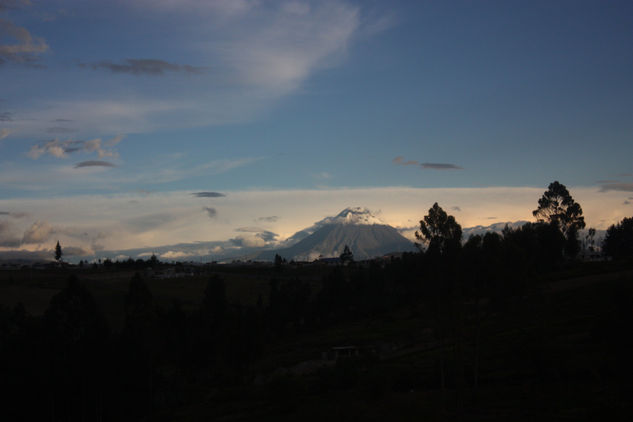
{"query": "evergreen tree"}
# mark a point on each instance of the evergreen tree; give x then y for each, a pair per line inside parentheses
(58, 252)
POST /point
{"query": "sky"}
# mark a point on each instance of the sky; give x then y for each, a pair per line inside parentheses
(140, 123)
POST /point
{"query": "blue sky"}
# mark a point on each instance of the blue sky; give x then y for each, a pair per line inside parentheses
(133, 99)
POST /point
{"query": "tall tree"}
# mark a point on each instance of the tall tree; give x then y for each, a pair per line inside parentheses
(439, 230)
(558, 208)
(618, 243)
(58, 252)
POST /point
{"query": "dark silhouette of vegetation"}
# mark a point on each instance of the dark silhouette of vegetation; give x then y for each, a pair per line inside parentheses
(439, 230)
(559, 209)
(278, 262)
(618, 242)
(346, 256)
(58, 252)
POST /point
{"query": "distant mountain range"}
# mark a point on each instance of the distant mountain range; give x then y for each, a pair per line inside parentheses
(365, 234)
(495, 227)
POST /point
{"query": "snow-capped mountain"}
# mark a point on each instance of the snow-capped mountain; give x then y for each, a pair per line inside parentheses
(350, 215)
(365, 234)
(495, 228)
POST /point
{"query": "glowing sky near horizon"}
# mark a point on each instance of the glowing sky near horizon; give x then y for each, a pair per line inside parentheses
(112, 114)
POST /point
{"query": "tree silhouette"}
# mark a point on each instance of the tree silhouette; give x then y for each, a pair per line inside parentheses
(439, 230)
(557, 207)
(618, 242)
(58, 252)
(347, 256)
(278, 262)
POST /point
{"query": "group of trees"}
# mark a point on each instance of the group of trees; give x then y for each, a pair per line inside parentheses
(558, 216)
(559, 220)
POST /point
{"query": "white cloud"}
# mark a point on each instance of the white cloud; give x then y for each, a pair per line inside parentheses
(175, 255)
(249, 241)
(61, 149)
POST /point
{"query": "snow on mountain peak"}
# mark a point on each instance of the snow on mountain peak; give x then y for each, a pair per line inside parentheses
(353, 215)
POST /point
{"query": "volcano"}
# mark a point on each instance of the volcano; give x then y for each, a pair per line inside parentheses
(365, 234)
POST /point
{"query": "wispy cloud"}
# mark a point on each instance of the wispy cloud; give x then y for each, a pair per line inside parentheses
(153, 67)
(6, 116)
(456, 208)
(432, 166)
(211, 212)
(402, 162)
(263, 234)
(208, 194)
(14, 214)
(617, 186)
(147, 222)
(25, 48)
(61, 149)
(60, 130)
(93, 163)
(440, 166)
(12, 4)
(257, 52)
(269, 219)
(324, 175)
(4, 133)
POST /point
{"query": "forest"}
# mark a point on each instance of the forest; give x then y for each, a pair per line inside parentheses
(510, 326)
